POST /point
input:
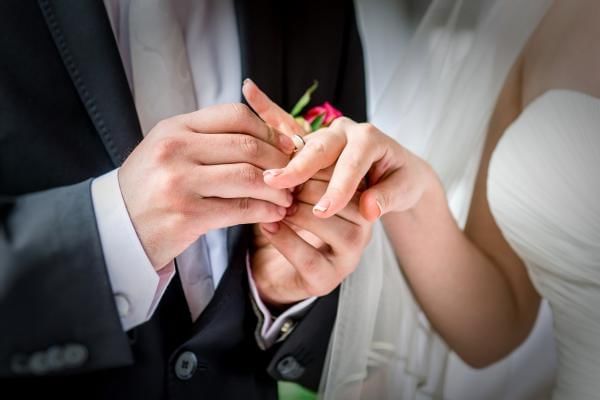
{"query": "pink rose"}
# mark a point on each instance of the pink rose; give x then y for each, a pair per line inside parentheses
(330, 113)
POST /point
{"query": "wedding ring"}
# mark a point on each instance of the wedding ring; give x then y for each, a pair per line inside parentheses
(298, 142)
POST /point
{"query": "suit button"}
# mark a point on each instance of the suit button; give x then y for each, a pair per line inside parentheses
(289, 368)
(123, 306)
(75, 355)
(186, 365)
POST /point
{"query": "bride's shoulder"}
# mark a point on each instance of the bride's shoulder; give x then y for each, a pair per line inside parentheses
(563, 52)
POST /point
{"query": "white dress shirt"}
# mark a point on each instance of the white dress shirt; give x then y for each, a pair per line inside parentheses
(210, 33)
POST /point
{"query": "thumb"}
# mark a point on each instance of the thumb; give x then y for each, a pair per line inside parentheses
(393, 194)
(371, 205)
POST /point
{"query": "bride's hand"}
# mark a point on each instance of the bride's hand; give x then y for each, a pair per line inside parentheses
(397, 179)
(304, 256)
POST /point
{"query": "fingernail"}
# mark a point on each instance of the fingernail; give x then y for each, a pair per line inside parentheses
(292, 210)
(246, 81)
(272, 173)
(271, 227)
(380, 208)
(290, 198)
(281, 211)
(286, 144)
(322, 206)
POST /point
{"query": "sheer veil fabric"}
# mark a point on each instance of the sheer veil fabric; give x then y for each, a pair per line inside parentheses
(382, 346)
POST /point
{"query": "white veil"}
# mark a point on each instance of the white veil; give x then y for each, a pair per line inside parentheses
(382, 346)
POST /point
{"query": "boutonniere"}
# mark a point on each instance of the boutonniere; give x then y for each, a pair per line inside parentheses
(316, 117)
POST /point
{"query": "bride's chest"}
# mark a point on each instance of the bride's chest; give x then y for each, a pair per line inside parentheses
(543, 187)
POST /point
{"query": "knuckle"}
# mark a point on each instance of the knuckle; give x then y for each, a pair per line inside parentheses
(316, 146)
(368, 129)
(354, 162)
(340, 122)
(166, 148)
(364, 135)
(250, 146)
(171, 184)
(353, 236)
(250, 176)
(243, 205)
(311, 264)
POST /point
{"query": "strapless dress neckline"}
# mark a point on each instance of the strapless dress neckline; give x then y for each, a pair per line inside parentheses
(544, 192)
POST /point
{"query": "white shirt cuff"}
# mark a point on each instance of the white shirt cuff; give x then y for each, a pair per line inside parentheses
(272, 331)
(137, 287)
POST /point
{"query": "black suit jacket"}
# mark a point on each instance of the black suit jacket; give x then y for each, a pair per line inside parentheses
(67, 116)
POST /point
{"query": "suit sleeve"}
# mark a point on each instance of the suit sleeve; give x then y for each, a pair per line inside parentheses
(301, 356)
(57, 309)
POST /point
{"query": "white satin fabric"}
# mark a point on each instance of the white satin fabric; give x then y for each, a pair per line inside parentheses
(544, 192)
(438, 104)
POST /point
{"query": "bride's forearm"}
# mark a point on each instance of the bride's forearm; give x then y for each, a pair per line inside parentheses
(467, 296)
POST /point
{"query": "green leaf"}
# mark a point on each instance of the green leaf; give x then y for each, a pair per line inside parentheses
(317, 122)
(304, 100)
(292, 391)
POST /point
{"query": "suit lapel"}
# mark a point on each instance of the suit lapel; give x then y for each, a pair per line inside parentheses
(85, 41)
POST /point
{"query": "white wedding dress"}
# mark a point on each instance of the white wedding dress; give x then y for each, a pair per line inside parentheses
(544, 192)
(438, 103)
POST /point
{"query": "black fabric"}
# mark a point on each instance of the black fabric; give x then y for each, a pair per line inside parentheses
(66, 115)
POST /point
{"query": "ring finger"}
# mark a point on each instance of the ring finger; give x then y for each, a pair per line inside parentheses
(321, 151)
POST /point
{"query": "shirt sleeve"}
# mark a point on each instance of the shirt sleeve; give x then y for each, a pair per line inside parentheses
(137, 287)
(271, 330)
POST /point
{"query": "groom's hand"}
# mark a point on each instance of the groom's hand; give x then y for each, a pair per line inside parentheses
(304, 256)
(201, 171)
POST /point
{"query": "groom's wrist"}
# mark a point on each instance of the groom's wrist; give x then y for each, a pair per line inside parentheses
(272, 328)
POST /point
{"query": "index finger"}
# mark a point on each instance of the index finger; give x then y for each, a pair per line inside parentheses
(270, 112)
(236, 118)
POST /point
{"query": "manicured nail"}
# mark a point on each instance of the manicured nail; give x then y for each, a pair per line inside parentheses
(293, 209)
(246, 81)
(322, 206)
(271, 227)
(380, 208)
(272, 173)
